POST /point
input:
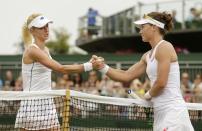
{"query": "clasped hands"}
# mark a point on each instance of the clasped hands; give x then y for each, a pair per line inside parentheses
(97, 62)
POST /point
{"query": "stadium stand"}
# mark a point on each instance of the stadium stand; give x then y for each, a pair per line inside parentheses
(117, 31)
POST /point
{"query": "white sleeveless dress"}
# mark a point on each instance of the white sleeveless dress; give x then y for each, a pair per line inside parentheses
(170, 111)
(36, 114)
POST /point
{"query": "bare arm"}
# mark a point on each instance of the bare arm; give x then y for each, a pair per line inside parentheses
(164, 56)
(133, 72)
(40, 56)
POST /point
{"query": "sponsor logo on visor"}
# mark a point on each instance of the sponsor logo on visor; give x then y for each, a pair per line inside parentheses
(154, 22)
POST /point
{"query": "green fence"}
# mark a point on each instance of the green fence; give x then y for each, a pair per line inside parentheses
(191, 63)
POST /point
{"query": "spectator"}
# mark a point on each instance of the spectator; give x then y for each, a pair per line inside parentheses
(186, 84)
(61, 84)
(92, 84)
(194, 19)
(68, 81)
(192, 15)
(77, 81)
(174, 12)
(119, 90)
(18, 84)
(91, 16)
(197, 85)
(7, 86)
(106, 86)
(176, 23)
(93, 80)
(9, 79)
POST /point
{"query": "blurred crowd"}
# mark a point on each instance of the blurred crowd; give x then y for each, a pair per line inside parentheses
(94, 23)
(193, 20)
(94, 83)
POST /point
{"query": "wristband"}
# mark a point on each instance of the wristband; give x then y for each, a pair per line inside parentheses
(104, 70)
(88, 66)
(147, 96)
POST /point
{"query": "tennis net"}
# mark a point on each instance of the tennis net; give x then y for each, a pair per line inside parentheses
(75, 111)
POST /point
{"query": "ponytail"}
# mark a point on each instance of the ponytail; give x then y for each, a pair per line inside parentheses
(26, 35)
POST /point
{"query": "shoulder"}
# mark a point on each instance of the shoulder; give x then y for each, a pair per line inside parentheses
(32, 49)
(165, 45)
(35, 52)
(165, 50)
(29, 54)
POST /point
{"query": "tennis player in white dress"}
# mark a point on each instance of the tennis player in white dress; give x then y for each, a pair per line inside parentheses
(37, 65)
(161, 65)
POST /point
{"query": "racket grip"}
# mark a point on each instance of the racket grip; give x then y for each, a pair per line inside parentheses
(133, 95)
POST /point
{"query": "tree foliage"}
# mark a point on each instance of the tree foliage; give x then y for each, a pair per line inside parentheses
(60, 45)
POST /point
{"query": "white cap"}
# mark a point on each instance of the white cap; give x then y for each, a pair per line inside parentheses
(147, 19)
(39, 21)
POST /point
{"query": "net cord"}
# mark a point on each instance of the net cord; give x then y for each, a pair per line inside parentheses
(26, 95)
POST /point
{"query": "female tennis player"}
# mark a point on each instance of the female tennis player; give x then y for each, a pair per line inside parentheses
(161, 65)
(36, 73)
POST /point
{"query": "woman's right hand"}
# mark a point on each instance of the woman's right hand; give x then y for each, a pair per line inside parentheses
(97, 62)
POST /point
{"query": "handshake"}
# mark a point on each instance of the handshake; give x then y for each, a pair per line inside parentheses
(97, 63)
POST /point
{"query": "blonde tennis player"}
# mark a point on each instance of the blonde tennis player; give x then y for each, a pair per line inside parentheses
(161, 65)
(36, 72)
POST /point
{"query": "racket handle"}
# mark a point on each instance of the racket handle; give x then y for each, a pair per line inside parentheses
(133, 95)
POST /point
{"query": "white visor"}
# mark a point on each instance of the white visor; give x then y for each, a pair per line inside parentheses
(149, 20)
(39, 21)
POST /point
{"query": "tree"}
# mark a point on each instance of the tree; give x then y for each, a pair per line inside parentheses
(60, 45)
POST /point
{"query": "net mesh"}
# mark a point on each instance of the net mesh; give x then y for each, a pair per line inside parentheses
(56, 110)
(33, 114)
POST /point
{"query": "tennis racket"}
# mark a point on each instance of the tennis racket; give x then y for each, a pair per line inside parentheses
(133, 94)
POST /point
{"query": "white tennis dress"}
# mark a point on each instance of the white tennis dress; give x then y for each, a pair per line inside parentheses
(36, 114)
(170, 111)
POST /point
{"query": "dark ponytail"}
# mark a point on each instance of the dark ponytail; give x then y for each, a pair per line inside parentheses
(168, 21)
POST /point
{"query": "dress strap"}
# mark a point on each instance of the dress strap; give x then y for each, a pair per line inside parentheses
(34, 45)
(154, 50)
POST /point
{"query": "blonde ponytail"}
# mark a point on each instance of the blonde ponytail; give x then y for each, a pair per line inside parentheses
(26, 35)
